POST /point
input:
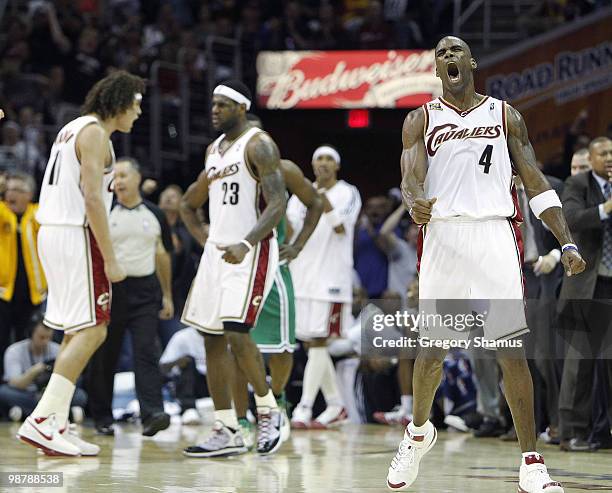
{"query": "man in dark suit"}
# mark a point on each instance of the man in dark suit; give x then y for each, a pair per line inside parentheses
(585, 302)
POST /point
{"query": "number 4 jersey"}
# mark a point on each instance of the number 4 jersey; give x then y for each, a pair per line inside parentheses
(61, 197)
(234, 193)
(469, 171)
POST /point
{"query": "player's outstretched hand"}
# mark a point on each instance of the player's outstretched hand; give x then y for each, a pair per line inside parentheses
(573, 262)
(114, 272)
(234, 254)
(421, 210)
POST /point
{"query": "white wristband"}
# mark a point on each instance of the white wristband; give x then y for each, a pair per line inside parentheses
(334, 218)
(247, 244)
(569, 246)
(543, 201)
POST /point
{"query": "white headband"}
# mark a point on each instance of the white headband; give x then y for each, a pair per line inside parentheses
(138, 97)
(326, 151)
(234, 95)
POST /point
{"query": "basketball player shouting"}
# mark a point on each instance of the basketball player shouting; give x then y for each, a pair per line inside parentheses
(246, 193)
(76, 251)
(459, 153)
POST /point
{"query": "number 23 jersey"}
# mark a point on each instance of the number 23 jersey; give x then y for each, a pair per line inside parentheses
(469, 166)
(234, 193)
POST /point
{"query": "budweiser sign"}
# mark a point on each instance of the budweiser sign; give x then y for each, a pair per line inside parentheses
(346, 79)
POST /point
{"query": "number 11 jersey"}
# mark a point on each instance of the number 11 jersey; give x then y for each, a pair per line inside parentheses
(469, 166)
(61, 196)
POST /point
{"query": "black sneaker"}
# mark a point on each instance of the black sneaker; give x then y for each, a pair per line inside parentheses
(223, 441)
(106, 429)
(154, 423)
(269, 425)
(490, 428)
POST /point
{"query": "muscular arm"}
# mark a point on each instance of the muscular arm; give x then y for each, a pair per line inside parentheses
(414, 158)
(195, 196)
(535, 183)
(92, 147)
(303, 189)
(263, 153)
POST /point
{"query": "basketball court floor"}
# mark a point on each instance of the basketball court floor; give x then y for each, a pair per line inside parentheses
(352, 459)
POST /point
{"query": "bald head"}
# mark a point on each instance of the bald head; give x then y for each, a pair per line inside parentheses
(447, 41)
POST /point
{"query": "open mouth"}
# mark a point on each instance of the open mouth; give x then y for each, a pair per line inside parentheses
(453, 72)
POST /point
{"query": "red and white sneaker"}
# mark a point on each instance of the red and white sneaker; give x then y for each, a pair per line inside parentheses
(404, 467)
(45, 434)
(332, 416)
(71, 434)
(398, 416)
(300, 419)
(534, 478)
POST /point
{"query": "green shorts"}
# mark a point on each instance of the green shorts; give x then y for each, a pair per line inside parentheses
(275, 328)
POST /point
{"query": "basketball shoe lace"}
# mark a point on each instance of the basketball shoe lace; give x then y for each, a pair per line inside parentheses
(264, 429)
(218, 439)
(405, 457)
(538, 475)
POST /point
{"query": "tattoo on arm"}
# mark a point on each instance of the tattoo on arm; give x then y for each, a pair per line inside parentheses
(263, 153)
(534, 181)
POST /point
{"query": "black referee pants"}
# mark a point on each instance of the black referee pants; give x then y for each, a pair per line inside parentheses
(135, 306)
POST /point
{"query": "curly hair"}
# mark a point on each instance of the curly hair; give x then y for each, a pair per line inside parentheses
(113, 95)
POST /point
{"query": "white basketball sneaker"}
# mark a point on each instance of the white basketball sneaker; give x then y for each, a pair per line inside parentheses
(301, 417)
(45, 434)
(405, 465)
(332, 416)
(222, 442)
(534, 478)
(71, 434)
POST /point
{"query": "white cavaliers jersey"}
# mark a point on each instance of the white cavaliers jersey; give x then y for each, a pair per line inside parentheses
(234, 193)
(469, 170)
(324, 268)
(61, 197)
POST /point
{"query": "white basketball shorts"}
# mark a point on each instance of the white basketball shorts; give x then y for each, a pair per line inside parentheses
(223, 292)
(79, 293)
(320, 319)
(471, 280)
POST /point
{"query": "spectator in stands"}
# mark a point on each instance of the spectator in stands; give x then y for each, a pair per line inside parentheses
(27, 368)
(585, 299)
(184, 360)
(23, 286)
(375, 33)
(184, 259)
(84, 66)
(401, 252)
(580, 162)
(47, 41)
(328, 33)
(575, 138)
(370, 260)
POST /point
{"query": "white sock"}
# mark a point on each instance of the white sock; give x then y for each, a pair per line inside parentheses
(227, 417)
(532, 454)
(329, 384)
(407, 403)
(267, 400)
(420, 430)
(313, 375)
(56, 399)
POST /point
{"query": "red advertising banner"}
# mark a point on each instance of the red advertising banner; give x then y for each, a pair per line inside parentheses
(552, 78)
(346, 79)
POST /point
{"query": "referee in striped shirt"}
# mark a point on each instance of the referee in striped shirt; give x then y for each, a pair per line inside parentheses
(142, 241)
